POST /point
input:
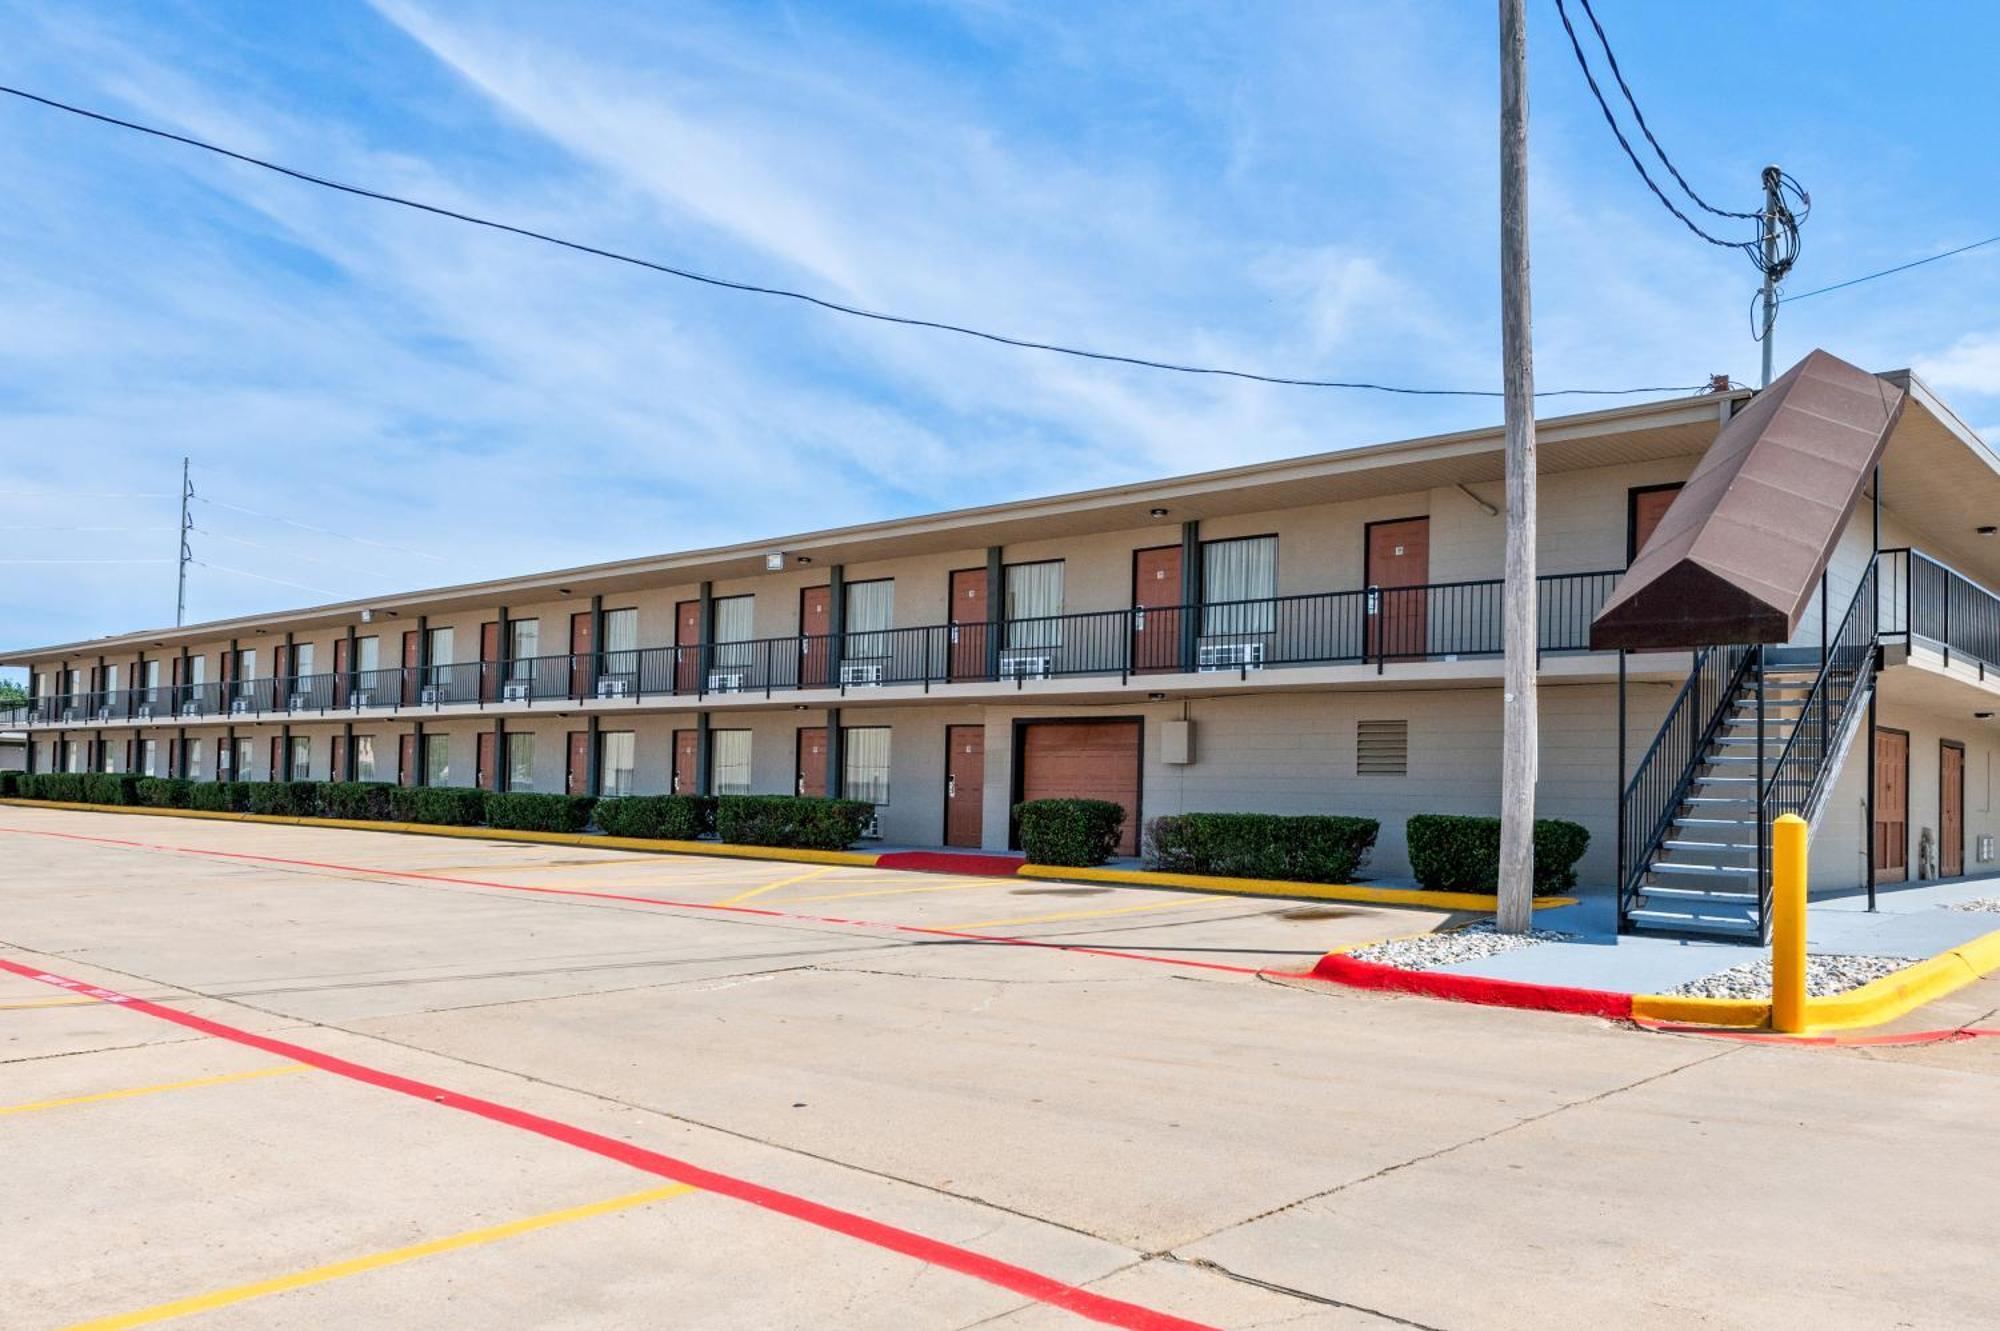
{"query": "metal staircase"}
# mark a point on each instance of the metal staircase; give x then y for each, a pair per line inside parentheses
(1756, 732)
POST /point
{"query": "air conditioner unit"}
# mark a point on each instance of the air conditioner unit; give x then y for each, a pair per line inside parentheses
(238, 706)
(361, 698)
(860, 672)
(69, 714)
(298, 702)
(613, 686)
(1982, 849)
(1231, 656)
(1024, 665)
(873, 830)
(190, 708)
(430, 695)
(104, 713)
(725, 681)
(145, 711)
(516, 692)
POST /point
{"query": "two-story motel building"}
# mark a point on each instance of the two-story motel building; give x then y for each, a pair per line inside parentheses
(1314, 635)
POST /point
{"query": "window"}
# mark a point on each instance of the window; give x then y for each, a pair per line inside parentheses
(75, 683)
(302, 660)
(1382, 748)
(520, 762)
(864, 771)
(524, 645)
(729, 761)
(302, 759)
(149, 678)
(367, 656)
(437, 760)
(1238, 581)
(871, 609)
(440, 656)
(621, 642)
(1035, 596)
(194, 759)
(617, 762)
(149, 757)
(246, 759)
(364, 757)
(246, 671)
(107, 756)
(111, 679)
(734, 623)
(197, 670)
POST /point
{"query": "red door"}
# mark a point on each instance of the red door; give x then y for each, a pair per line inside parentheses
(811, 778)
(687, 747)
(277, 768)
(406, 761)
(1399, 564)
(1096, 760)
(971, 624)
(815, 624)
(338, 772)
(489, 661)
(687, 644)
(578, 782)
(409, 666)
(482, 763)
(281, 668)
(1156, 613)
(339, 674)
(1951, 809)
(965, 786)
(582, 666)
(1892, 806)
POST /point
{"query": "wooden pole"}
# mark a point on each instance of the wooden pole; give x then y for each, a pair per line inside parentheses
(1519, 722)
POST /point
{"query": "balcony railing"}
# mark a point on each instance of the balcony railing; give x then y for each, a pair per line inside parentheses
(1923, 600)
(1375, 626)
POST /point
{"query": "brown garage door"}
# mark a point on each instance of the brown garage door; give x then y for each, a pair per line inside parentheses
(1096, 760)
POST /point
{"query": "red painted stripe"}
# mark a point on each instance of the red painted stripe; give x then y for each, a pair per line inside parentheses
(1342, 969)
(938, 861)
(667, 902)
(936, 1252)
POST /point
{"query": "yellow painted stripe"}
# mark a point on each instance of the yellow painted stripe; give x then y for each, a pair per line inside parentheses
(1270, 887)
(1176, 904)
(45, 1002)
(897, 891)
(222, 1080)
(772, 887)
(223, 1298)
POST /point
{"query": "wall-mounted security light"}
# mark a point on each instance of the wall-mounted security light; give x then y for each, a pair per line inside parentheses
(1987, 530)
(774, 562)
(367, 616)
(1982, 716)
(1156, 512)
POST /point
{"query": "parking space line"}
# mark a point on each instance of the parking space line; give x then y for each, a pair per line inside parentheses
(353, 1266)
(895, 891)
(44, 1002)
(162, 1087)
(772, 887)
(935, 1252)
(1191, 903)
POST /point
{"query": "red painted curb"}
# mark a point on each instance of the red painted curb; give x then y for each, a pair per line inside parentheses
(937, 861)
(936, 1252)
(1338, 968)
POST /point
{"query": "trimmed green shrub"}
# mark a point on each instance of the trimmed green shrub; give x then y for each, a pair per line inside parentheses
(1075, 833)
(1460, 853)
(363, 801)
(530, 812)
(110, 788)
(295, 799)
(163, 792)
(657, 817)
(800, 822)
(54, 786)
(216, 796)
(1309, 848)
(451, 806)
(10, 785)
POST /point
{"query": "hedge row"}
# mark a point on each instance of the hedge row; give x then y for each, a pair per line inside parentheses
(804, 822)
(658, 817)
(1317, 848)
(1458, 853)
(1072, 833)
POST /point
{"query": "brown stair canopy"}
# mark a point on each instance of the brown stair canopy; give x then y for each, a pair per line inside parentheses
(1739, 554)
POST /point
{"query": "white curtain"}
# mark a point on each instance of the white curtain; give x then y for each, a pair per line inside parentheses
(520, 762)
(617, 763)
(734, 623)
(871, 612)
(1035, 594)
(729, 761)
(621, 642)
(1243, 570)
(865, 763)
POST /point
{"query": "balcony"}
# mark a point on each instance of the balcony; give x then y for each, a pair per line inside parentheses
(1375, 626)
(1932, 604)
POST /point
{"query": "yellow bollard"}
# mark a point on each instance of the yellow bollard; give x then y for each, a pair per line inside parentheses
(1788, 924)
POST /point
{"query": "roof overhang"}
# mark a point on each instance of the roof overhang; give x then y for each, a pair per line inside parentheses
(1740, 552)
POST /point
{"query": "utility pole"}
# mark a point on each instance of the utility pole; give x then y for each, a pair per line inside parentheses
(187, 552)
(1520, 737)
(1772, 176)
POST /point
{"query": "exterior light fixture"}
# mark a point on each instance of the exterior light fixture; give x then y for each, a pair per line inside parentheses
(562, 591)
(1982, 716)
(1987, 530)
(1156, 697)
(774, 562)
(367, 616)
(805, 559)
(1156, 512)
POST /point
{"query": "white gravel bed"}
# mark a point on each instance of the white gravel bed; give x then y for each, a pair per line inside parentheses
(1430, 951)
(1977, 903)
(1825, 977)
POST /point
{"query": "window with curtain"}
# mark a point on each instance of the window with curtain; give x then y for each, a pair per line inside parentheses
(1034, 598)
(364, 757)
(617, 762)
(865, 763)
(194, 759)
(524, 645)
(437, 760)
(440, 657)
(1239, 578)
(520, 762)
(302, 659)
(621, 642)
(149, 757)
(302, 758)
(246, 671)
(734, 623)
(871, 606)
(246, 759)
(729, 761)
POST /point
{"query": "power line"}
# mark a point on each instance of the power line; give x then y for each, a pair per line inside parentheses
(261, 577)
(284, 551)
(86, 561)
(88, 529)
(323, 531)
(1901, 267)
(78, 494)
(753, 288)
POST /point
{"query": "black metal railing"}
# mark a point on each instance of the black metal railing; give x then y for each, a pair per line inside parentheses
(1371, 626)
(1659, 785)
(1921, 599)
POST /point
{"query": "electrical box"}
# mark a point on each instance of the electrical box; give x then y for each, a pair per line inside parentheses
(1177, 743)
(1984, 851)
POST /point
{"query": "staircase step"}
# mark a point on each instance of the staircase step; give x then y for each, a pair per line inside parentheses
(1710, 847)
(1700, 870)
(1698, 894)
(1689, 922)
(1711, 780)
(1715, 801)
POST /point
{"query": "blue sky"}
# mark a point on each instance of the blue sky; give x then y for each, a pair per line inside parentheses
(1304, 189)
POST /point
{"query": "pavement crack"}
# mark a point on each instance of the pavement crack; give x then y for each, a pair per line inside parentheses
(1217, 1268)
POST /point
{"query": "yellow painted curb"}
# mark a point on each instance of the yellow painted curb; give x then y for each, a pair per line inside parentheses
(1681, 1009)
(1265, 887)
(854, 859)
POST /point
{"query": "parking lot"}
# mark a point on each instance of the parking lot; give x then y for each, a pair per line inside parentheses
(371, 1079)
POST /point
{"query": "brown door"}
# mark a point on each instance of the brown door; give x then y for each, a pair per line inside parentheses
(1892, 806)
(278, 772)
(1399, 564)
(339, 674)
(971, 624)
(811, 770)
(1645, 509)
(815, 623)
(1156, 613)
(965, 786)
(687, 642)
(409, 666)
(406, 760)
(578, 782)
(281, 668)
(1096, 760)
(687, 748)
(582, 666)
(1951, 809)
(482, 762)
(173, 758)
(489, 660)
(338, 772)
